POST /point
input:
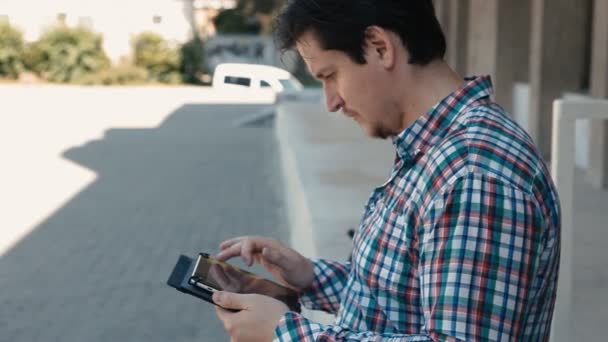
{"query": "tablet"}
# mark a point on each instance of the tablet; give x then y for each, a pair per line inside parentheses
(206, 275)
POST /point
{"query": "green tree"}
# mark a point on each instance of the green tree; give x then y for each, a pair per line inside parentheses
(153, 53)
(234, 21)
(265, 6)
(11, 49)
(33, 57)
(64, 54)
(249, 16)
(192, 61)
(121, 74)
(253, 7)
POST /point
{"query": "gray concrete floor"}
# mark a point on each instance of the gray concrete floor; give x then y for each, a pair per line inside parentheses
(102, 189)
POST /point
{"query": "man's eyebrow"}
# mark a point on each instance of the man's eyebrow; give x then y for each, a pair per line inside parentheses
(320, 72)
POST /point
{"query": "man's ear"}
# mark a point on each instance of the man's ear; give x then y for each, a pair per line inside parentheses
(380, 45)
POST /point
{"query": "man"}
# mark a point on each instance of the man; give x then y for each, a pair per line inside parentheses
(461, 243)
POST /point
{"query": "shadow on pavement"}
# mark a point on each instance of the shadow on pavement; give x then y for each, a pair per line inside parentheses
(96, 269)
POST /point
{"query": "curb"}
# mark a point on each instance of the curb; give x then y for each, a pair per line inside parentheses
(299, 215)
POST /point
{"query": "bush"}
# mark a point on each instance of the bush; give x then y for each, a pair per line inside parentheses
(32, 58)
(65, 54)
(153, 53)
(192, 61)
(123, 74)
(11, 49)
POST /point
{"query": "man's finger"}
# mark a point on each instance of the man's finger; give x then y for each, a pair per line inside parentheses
(248, 248)
(223, 314)
(231, 252)
(229, 300)
(230, 242)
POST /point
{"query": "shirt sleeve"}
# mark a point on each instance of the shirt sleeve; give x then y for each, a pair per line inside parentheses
(295, 327)
(477, 255)
(329, 281)
(481, 239)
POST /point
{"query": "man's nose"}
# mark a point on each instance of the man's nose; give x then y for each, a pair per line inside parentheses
(333, 101)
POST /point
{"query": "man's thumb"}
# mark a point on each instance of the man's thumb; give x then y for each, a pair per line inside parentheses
(229, 300)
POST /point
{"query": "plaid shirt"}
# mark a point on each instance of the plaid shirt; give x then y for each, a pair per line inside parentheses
(460, 244)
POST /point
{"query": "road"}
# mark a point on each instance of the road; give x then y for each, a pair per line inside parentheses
(92, 263)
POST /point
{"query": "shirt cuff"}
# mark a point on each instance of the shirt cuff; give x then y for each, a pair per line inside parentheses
(295, 327)
(325, 291)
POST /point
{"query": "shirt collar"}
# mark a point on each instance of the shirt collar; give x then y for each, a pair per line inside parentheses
(434, 124)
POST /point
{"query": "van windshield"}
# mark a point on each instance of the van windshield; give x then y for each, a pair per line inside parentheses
(288, 84)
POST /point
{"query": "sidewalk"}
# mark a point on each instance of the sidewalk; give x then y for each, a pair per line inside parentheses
(331, 168)
(102, 188)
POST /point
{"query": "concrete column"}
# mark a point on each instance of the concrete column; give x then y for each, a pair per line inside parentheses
(498, 44)
(441, 11)
(557, 60)
(453, 15)
(457, 31)
(598, 148)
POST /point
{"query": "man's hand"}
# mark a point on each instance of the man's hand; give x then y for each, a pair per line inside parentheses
(285, 264)
(257, 319)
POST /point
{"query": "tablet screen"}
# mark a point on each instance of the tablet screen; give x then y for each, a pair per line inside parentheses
(225, 277)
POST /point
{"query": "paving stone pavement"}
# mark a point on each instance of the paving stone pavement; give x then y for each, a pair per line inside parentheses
(95, 269)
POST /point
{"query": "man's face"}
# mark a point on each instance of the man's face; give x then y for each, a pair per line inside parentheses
(360, 90)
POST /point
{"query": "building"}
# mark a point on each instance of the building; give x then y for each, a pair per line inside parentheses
(537, 51)
(117, 20)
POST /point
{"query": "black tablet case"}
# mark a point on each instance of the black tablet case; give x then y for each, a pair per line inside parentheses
(180, 277)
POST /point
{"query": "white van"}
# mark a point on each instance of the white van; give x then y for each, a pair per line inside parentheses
(254, 76)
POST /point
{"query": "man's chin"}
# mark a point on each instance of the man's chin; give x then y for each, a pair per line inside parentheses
(376, 133)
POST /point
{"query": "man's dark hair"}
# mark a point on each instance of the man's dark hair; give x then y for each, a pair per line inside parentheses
(341, 25)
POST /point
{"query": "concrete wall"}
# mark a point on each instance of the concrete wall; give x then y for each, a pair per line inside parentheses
(598, 154)
(454, 19)
(521, 106)
(497, 44)
(558, 59)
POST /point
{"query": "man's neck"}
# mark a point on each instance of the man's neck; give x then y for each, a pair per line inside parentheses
(432, 83)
